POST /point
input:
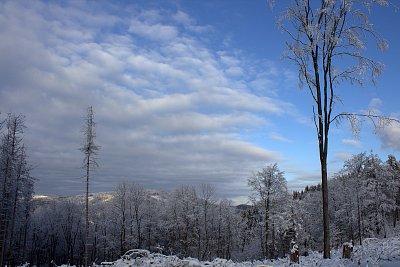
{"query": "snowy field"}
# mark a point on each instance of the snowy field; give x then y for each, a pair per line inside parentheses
(373, 252)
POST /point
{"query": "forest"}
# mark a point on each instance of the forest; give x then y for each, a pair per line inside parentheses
(191, 221)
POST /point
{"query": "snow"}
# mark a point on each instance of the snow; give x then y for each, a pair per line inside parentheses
(373, 252)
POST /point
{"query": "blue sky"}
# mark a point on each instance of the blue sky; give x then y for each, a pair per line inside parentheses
(184, 92)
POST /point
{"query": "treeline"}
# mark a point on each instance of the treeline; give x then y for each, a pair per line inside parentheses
(191, 221)
(186, 222)
(16, 189)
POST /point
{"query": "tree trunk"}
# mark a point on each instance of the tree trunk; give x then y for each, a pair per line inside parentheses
(266, 226)
(205, 231)
(359, 217)
(138, 227)
(325, 211)
(87, 211)
(94, 247)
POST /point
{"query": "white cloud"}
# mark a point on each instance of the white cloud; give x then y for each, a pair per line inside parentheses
(375, 103)
(168, 108)
(390, 136)
(388, 133)
(234, 71)
(279, 138)
(153, 31)
(189, 23)
(352, 142)
(183, 18)
(342, 156)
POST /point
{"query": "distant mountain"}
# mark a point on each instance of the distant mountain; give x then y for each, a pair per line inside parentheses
(94, 197)
(157, 195)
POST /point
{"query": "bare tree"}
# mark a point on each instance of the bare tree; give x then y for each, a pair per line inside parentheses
(207, 195)
(327, 45)
(120, 199)
(137, 200)
(89, 149)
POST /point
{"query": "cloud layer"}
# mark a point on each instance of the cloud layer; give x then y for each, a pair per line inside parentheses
(171, 106)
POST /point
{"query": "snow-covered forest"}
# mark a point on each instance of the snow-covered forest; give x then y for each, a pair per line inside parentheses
(192, 221)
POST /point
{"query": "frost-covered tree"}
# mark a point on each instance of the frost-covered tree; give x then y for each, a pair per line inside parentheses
(369, 210)
(133, 210)
(151, 216)
(183, 227)
(327, 41)
(207, 201)
(71, 222)
(16, 189)
(393, 174)
(226, 229)
(137, 208)
(309, 210)
(269, 195)
(248, 240)
(120, 204)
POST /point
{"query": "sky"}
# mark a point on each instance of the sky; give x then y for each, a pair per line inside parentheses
(184, 92)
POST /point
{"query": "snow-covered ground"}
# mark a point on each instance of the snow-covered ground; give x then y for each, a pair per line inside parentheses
(373, 252)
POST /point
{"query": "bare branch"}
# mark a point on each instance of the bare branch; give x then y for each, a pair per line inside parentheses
(356, 119)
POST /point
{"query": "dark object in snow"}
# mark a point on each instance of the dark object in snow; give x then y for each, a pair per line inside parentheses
(294, 253)
(135, 253)
(347, 250)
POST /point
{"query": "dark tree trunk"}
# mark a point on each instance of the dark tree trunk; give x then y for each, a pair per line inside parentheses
(325, 210)
(87, 212)
(359, 218)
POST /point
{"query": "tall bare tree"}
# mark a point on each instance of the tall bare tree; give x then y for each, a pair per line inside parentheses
(89, 149)
(327, 43)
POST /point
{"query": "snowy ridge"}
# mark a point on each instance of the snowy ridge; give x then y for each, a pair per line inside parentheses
(94, 197)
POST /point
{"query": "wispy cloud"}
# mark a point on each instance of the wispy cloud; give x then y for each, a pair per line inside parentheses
(279, 138)
(352, 142)
(342, 156)
(158, 32)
